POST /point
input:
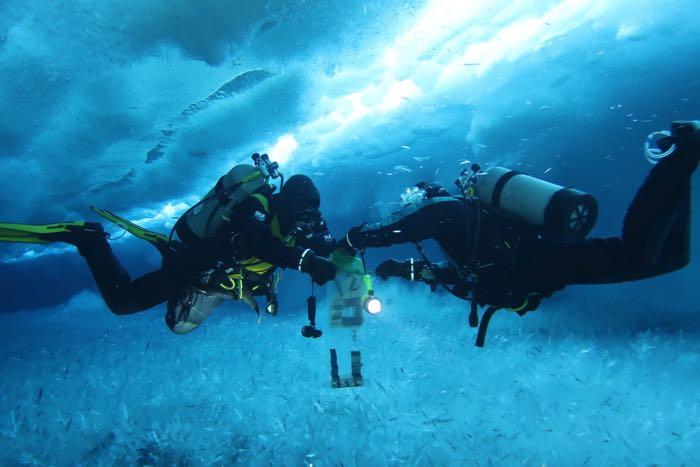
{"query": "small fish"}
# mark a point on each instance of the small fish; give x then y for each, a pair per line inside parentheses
(547, 171)
(403, 146)
(40, 394)
(402, 168)
(471, 64)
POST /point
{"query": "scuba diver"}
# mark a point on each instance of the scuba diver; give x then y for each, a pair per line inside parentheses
(228, 246)
(513, 240)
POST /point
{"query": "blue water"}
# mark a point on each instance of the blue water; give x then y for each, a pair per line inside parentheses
(139, 107)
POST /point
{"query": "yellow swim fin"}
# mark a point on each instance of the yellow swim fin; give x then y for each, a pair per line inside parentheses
(135, 230)
(29, 233)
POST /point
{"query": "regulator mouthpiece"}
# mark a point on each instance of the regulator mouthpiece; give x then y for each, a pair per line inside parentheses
(658, 145)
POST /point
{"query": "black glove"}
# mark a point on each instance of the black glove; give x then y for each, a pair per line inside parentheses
(320, 269)
(410, 269)
(393, 268)
(351, 241)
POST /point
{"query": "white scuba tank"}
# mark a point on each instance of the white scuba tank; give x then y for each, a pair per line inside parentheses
(558, 210)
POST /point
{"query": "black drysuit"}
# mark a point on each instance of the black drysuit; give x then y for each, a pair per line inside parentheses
(514, 262)
(247, 235)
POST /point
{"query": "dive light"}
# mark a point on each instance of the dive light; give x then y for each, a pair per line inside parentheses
(370, 302)
(656, 146)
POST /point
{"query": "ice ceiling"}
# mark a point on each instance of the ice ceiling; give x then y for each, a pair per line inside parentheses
(140, 106)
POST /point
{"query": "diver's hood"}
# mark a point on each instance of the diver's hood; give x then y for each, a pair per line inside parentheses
(299, 199)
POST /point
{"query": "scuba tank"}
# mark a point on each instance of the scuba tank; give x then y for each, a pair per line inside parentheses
(550, 209)
(563, 212)
(202, 221)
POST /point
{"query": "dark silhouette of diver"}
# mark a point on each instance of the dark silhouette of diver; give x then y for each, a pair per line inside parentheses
(228, 246)
(505, 263)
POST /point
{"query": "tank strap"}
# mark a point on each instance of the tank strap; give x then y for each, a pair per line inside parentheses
(263, 200)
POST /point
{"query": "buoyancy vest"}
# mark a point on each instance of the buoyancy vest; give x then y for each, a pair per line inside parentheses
(257, 265)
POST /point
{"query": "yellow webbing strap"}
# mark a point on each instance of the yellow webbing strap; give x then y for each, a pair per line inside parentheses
(520, 308)
(263, 200)
(257, 174)
(235, 283)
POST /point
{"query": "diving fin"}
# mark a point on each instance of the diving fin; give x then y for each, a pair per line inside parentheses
(159, 240)
(46, 233)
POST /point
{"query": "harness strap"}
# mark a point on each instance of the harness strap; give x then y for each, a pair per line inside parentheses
(263, 200)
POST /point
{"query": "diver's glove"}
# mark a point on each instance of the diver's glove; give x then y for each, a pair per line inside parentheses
(320, 269)
(352, 242)
(392, 268)
(410, 269)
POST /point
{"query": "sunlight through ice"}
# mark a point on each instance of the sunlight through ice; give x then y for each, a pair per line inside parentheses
(283, 148)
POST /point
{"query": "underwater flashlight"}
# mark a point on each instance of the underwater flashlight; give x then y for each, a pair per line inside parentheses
(656, 146)
(372, 305)
(370, 302)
